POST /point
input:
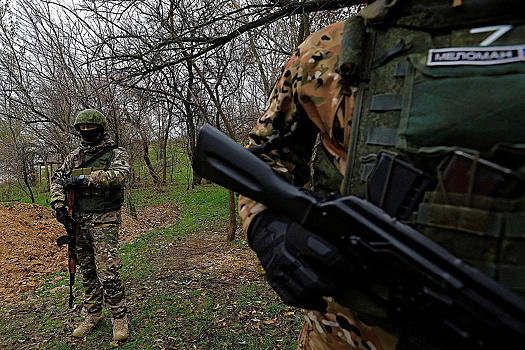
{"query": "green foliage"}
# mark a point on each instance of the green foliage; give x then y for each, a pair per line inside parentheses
(178, 167)
(9, 192)
(41, 198)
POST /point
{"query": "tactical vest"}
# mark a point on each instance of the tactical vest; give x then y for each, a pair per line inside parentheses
(438, 133)
(90, 199)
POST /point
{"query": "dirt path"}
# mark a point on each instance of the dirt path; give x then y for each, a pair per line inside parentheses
(199, 278)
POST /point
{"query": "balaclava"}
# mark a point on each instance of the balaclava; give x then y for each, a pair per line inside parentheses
(92, 137)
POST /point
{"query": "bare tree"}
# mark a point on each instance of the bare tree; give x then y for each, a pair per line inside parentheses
(157, 69)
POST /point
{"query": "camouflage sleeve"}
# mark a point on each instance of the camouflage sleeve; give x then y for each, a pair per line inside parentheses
(57, 192)
(117, 173)
(306, 101)
(281, 116)
(248, 208)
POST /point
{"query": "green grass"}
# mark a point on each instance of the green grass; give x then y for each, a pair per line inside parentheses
(166, 311)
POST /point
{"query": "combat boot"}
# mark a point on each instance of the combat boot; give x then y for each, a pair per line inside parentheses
(88, 325)
(120, 328)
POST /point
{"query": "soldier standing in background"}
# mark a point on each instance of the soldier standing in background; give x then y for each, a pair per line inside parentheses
(414, 87)
(96, 172)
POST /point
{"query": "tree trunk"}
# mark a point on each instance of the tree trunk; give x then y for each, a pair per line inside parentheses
(151, 169)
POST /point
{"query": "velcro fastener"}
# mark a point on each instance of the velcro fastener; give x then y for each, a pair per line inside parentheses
(386, 102)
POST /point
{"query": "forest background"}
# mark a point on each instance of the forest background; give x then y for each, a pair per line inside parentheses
(158, 70)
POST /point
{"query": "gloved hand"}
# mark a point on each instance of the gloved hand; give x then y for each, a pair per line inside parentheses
(300, 266)
(74, 181)
(61, 214)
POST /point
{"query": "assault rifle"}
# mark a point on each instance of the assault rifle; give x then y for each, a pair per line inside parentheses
(71, 240)
(420, 292)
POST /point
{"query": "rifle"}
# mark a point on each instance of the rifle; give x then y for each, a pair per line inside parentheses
(70, 239)
(421, 292)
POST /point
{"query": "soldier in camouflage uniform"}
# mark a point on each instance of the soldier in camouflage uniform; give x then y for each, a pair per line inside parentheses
(95, 174)
(315, 101)
(310, 94)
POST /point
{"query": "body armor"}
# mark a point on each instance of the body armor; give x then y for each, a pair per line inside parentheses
(91, 199)
(438, 135)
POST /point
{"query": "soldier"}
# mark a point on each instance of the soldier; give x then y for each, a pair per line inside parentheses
(96, 172)
(382, 85)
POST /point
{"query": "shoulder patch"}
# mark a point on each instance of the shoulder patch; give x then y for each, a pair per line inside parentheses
(476, 56)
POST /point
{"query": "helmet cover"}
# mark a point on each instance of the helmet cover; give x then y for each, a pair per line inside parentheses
(91, 116)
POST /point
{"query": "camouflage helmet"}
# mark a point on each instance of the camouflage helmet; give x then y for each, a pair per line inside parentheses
(91, 116)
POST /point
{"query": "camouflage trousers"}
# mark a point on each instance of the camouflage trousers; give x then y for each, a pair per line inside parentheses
(341, 329)
(99, 262)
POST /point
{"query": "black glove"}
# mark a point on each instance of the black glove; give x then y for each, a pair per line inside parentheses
(61, 214)
(300, 266)
(74, 181)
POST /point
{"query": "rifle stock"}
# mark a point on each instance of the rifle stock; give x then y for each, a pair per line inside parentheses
(431, 298)
(221, 160)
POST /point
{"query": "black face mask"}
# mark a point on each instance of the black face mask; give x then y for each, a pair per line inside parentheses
(92, 137)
